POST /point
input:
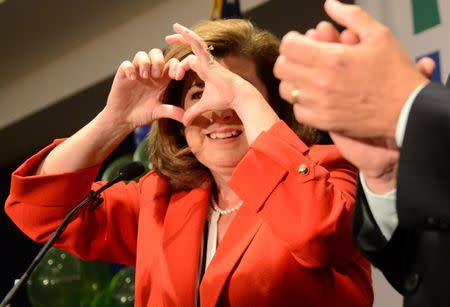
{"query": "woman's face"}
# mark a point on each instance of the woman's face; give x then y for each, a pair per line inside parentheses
(217, 138)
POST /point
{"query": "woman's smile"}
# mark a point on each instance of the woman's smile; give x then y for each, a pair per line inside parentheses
(224, 135)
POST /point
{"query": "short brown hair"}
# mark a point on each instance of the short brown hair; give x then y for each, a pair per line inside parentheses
(169, 152)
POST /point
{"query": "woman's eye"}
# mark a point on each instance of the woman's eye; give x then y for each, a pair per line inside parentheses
(196, 95)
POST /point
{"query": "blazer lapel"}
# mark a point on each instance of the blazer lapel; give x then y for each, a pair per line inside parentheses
(236, 240)
(246, 222)
(182, 240)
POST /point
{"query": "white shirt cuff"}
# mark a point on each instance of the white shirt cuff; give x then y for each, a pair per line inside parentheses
(383, 208)
(404, 114)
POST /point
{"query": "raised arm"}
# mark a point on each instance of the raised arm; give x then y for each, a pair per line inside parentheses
(135, 99)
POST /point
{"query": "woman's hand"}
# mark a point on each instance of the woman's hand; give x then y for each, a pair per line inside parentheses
(135, 99)
(138, 89)
(224, 89)
(221, 85)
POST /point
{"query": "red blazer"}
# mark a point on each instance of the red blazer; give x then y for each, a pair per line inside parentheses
(289, 245)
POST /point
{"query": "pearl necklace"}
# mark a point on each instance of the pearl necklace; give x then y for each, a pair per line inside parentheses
(222, 211)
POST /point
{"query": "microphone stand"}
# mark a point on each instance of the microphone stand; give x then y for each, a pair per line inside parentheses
(93, 196)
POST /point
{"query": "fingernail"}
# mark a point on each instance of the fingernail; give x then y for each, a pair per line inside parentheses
(145, 74)
(133, 76)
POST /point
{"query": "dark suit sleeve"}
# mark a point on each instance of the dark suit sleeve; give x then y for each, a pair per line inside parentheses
(423, 191)
(423, 205)
(388, 256)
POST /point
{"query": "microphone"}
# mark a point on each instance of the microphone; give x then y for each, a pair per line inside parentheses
(128, 172)
(131, 170)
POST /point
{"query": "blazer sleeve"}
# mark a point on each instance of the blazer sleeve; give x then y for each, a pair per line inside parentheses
(423, 192)
(310, 211)
(38, 204)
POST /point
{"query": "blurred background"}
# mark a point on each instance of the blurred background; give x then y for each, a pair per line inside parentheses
(57, 61)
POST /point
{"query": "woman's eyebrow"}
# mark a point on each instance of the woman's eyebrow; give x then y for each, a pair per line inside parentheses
(197, 83)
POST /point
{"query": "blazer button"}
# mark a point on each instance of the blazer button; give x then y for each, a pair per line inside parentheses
(303, 169)
(412, 282)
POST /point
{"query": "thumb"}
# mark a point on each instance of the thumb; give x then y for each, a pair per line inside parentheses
(168, 111)
(352, 17)
(194, 111)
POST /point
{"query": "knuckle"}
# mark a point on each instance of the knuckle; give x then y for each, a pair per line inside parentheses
(337, 58)
(288, 37)
(287, 41)
(324, 83)
(383, 32)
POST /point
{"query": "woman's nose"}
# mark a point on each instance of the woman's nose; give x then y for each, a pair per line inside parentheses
(222, 116)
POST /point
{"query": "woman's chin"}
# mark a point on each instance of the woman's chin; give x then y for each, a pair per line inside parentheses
(223, 162)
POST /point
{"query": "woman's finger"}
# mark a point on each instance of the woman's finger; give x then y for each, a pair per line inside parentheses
(185, 65)
(176, 38)
(198, 45)
(177, 69)
(127, 70)
(168, 111)
(141, 63)
(195, 110)
(157, 61)
(171, 67)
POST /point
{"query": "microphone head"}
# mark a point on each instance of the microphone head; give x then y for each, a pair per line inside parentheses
(131, 170)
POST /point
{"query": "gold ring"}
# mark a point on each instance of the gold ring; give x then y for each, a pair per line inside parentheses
(294, 95)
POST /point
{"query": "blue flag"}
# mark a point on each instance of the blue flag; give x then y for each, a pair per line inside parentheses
(226, 9)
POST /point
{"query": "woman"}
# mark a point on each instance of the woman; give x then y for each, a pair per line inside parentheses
(277, 208)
